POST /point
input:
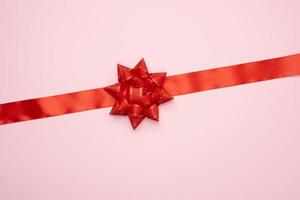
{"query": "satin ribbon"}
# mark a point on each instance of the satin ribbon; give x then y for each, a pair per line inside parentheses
(175, 85)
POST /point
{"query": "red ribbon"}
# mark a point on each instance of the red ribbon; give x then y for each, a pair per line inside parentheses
(142, 91)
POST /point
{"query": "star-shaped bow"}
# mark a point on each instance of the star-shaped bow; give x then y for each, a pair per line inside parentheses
(138, 93)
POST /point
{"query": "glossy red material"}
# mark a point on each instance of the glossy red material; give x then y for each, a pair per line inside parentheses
(54, 105)
(233, 75)
(139, 93)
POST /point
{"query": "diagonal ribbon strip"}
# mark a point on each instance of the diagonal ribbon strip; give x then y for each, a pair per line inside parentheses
(233, 75)
(54, 105)
(175, 85)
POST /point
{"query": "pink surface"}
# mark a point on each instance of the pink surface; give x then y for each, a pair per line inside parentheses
(240, 143)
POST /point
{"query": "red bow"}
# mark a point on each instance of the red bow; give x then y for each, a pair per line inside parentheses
(138, 93)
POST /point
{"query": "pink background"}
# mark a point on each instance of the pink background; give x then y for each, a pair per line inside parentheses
(238, 143)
